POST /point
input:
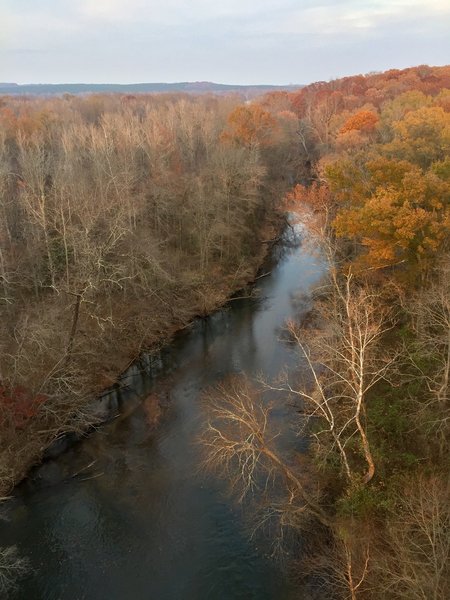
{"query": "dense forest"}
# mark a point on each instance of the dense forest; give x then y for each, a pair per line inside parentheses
(372, 501)
(123, 217)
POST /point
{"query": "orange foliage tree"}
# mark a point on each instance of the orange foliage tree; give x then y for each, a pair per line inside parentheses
(250, 125)
(364, 121)
(405, 218)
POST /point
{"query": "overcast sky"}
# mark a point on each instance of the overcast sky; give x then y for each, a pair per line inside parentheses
(226, 41)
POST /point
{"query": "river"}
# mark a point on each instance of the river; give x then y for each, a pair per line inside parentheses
(126, 514)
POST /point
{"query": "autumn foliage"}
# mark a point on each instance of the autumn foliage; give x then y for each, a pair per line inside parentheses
(364, 121)
(380, 145)
(397, 203)
(379, 151)
(250, 125)
(121, 218)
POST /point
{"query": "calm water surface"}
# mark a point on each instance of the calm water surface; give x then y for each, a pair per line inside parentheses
(126, 513)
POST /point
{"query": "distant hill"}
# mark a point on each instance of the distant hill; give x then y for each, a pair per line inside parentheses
(196, 87)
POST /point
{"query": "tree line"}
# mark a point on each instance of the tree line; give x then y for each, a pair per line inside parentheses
(121, 218)
(366, 511)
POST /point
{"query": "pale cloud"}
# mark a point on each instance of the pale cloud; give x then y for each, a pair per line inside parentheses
(314, 15)
(175, 11)
(351, 16)
(111, 10)
(228, 40)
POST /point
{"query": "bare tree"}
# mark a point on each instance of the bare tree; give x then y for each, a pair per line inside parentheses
(342, 351)
(239, 439)
(119, 221)
(431, 319)
(241, 442)
(414, 561)
(339, 565)
(12, 567)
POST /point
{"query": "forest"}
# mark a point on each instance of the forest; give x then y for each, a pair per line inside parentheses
(373, 499)
(124, 217)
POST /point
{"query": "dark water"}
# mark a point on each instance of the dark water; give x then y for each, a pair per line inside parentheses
(126, 513)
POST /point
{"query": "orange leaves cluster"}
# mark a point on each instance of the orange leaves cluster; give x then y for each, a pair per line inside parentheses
(250, 125)
(364, 121)
(374, 88)
(403, 216)
(392, 229)
(316, 197)
(392, 192)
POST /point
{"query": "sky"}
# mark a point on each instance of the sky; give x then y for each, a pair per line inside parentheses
(225, 41)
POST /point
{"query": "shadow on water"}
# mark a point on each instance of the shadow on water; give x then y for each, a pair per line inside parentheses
(126, 513)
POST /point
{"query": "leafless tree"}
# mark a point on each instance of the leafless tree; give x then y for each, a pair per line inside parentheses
(239, 440)
(431, 310)
(339, 566)
(414, 561)
(118, 221)
(341, 346)
(12, 567)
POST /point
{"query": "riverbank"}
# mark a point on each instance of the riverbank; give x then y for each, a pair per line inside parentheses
(128, 511)
(151, 327)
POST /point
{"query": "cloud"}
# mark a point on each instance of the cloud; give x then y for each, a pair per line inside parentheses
(348, 17)
(310, 14)
(309, 17)
(228, 40)
(176, 11)
(111, 10)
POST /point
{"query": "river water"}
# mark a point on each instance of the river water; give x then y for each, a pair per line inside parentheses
(126, 514)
